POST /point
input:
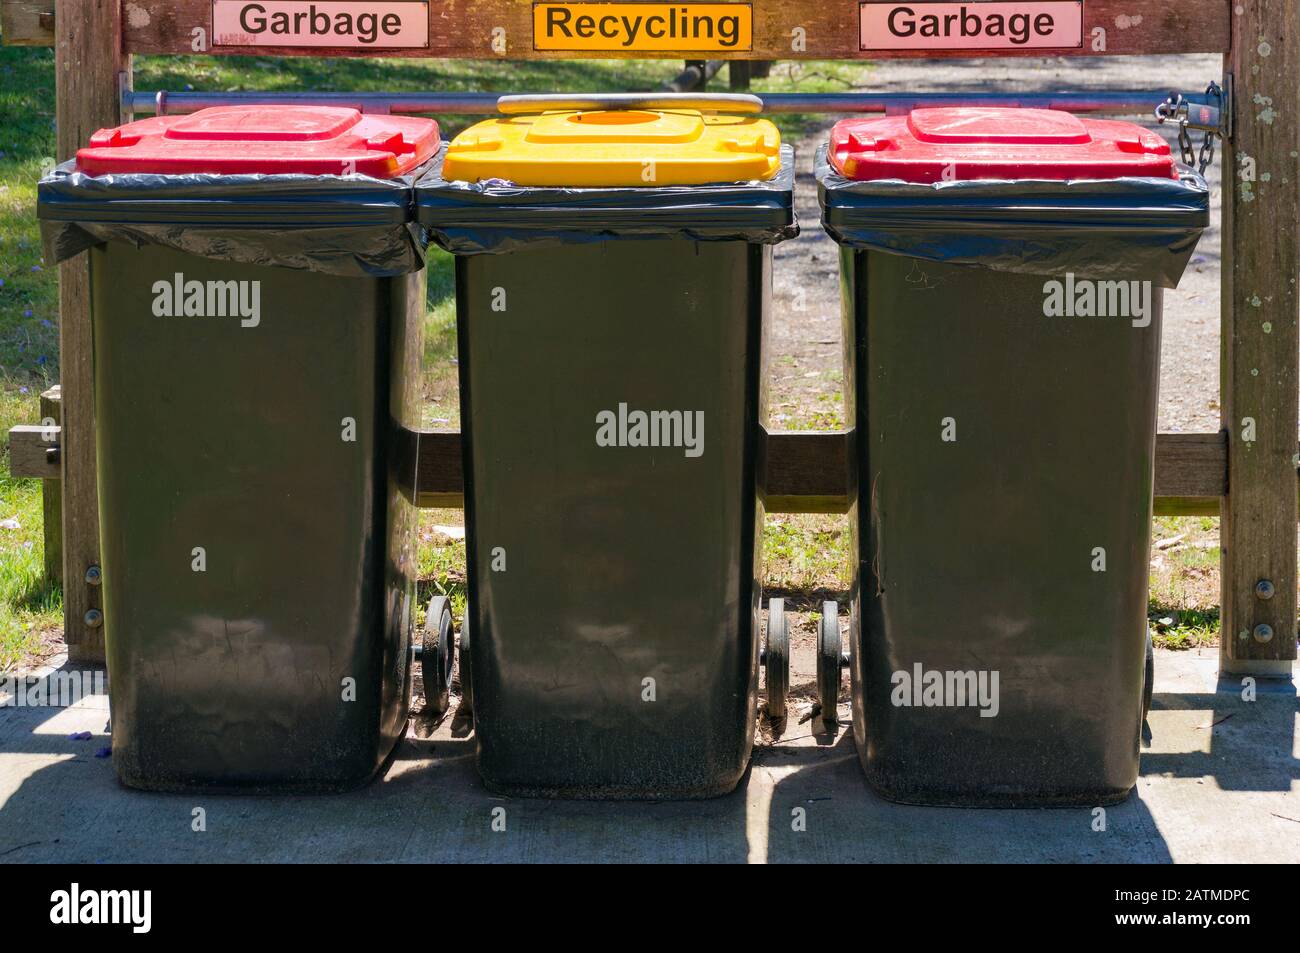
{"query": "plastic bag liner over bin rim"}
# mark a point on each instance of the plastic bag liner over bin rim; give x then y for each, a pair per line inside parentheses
(1129, 227)
(353, 226)
(496, 217)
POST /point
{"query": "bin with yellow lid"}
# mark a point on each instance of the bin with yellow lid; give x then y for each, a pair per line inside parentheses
(613, 283)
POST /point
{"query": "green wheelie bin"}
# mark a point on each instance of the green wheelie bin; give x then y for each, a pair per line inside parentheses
(1003, 274)
(256, 297)
(613, 271)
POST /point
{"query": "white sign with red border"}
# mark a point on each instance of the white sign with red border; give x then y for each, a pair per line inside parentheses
(381, 25)
(975, 25)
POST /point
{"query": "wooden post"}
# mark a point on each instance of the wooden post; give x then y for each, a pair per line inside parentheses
(88, 64)
(738, 73)
(52, 496)
(1261, 185)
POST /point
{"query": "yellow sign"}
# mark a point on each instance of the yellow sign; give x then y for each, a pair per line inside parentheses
(643, 27)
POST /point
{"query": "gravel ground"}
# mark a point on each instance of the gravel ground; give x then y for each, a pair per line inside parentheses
(806, 318)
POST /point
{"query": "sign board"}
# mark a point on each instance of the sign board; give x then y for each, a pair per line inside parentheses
(976, 25)
(643, 27)
(383, 25)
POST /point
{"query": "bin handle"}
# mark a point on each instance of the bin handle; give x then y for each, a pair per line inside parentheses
(706, 102)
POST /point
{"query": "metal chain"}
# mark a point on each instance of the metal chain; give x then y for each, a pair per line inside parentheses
(1207, 152)
(1176, 109)
(1185, 144)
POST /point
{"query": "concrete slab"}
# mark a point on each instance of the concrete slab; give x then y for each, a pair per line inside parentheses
(1218, 784)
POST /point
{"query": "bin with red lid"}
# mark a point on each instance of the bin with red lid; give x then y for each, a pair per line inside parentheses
(1003, 272)
(256, 297)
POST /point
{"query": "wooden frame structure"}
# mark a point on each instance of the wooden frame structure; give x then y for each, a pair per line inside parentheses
(1247, 472)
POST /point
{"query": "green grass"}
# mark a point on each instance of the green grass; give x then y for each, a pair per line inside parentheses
(1184, 628)
(1183, 610)
(806, 552)
(441, 561)
(28, 343)
(30, 610)
(439, 388)
(29, 294)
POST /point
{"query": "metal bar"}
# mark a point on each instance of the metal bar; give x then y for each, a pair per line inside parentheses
(1126, 102)
(709, 102)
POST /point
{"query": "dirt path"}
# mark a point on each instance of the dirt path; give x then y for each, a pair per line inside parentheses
(806, 317)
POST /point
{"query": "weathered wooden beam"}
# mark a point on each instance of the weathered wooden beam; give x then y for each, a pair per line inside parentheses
(780, 29)
(89, 67)
(27, 22)
(34, 452)
(1260, 340)
(1191, 473)
(52, 489)
(440, 478)
(1190, 464)
(807, 471)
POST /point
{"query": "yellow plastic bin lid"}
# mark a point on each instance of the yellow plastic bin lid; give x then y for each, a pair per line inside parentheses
(629, 140)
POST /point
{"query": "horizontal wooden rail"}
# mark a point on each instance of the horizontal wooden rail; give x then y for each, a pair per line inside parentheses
(515, 29)
(807, 471)
(34, 451)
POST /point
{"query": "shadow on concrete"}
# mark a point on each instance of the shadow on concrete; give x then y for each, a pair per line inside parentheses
(1244, 745)
(58, 802)
(823, 806)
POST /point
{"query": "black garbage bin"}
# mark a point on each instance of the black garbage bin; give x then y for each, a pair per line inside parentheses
(256, 296)
(1003, 273)
(611, 303)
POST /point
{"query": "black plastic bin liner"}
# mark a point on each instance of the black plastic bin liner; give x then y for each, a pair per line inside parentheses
(496, 216)
(352, 226)
(1123, 228)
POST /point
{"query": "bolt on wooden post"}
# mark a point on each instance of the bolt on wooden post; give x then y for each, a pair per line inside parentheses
(88, 61)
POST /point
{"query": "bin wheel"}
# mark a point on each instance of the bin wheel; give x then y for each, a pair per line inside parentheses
(1148, 678)
(436, 655)
(776, 659)
(464, 675)
(829, 661)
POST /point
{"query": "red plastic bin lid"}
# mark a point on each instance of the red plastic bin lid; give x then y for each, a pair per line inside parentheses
(965, 142)
(231, 140)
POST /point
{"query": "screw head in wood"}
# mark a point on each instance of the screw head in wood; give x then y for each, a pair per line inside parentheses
(1263, 632)
(93, 618)
(1265, 589)
(93, 576)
